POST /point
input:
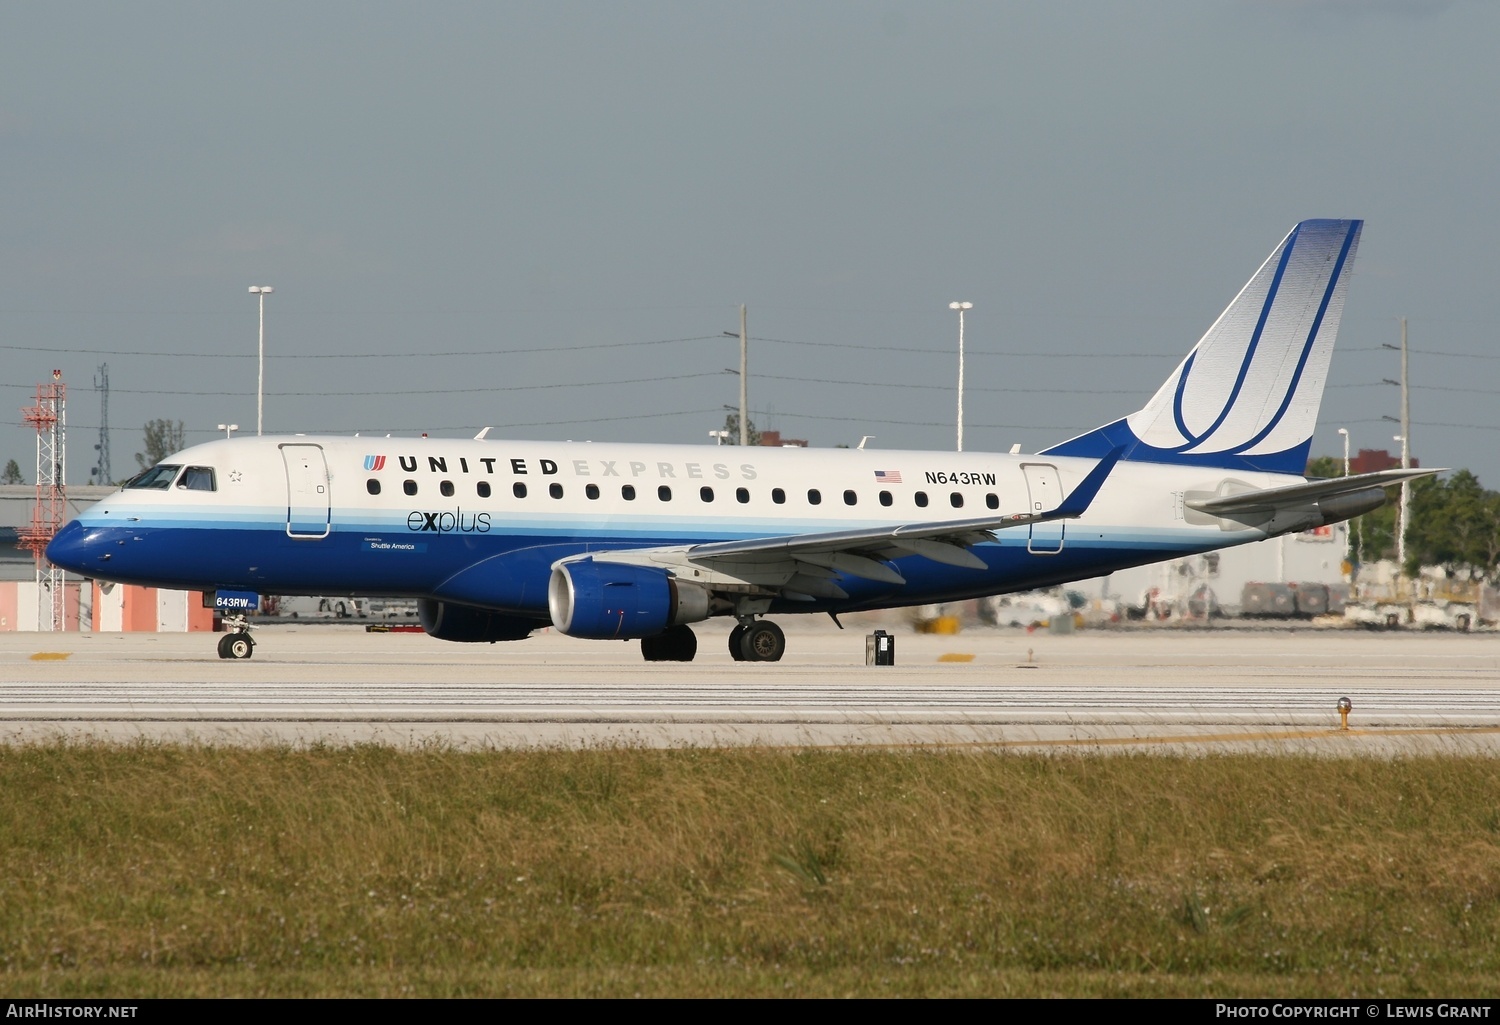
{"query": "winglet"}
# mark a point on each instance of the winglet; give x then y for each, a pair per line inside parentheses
(1081, 497)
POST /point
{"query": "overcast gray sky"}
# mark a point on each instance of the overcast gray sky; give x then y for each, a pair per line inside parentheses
(540, 217)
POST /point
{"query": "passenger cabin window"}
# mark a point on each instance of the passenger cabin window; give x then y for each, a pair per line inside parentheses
(372, 486)
(627, 492)
(592, 491)
(850, 498)
(410, 487)
(742, 495)
(198, 478)
(921, 499)
(707, 494)
(483, 489)
(778, 496)
(957, 499)
(664, 493)
(518, 489)
(446, 487)
(814, 496)
(555, 490)
(992, 500)
(885, 498)
(158, 478)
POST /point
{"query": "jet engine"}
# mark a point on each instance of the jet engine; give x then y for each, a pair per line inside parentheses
(614, 600)
(449, 622)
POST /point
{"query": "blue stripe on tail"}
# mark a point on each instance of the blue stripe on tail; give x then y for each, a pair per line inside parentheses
(1255, 380)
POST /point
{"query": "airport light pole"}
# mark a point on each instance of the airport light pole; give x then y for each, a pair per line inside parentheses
(961, 307)
(229, 429)
(260, 292)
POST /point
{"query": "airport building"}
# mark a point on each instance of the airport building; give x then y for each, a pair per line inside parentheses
(87, 605)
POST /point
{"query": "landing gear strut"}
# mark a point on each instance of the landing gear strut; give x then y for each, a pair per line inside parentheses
(757, 641)
(237, 643)
(678, 644)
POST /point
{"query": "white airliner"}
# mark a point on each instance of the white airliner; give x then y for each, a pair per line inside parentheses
(613, 541)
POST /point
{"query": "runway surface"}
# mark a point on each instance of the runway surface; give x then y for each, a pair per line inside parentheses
(1108, 690)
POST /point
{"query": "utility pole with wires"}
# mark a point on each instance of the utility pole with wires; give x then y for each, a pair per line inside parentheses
(744, 377)
(101, 473)
(1405, 438)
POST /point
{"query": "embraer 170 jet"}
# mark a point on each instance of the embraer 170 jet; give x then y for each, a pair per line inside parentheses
(496, 539)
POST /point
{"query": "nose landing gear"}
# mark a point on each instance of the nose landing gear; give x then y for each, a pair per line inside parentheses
(237, 643)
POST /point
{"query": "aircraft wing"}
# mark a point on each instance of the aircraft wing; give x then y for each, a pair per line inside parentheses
(804, 565)
(1265, 499)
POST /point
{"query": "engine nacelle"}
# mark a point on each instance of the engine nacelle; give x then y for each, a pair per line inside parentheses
(614, 600)
(449, 622)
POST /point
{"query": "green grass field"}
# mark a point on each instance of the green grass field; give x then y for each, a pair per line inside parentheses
(172, 871)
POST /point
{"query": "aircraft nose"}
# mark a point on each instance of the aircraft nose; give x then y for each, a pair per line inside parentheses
(69, 549)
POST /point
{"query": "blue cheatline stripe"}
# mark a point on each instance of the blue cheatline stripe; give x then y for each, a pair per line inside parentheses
(1312, 337)
(1265, 313)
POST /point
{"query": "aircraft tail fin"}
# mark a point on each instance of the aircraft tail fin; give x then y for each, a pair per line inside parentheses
(1247, 396)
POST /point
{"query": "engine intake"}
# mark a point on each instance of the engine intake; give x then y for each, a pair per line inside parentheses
(449, 622)
(614, 600)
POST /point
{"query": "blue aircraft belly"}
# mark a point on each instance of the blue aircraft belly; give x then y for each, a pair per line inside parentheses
(510, 572)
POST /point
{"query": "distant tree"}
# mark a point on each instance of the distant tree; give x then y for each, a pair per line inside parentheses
(1378, 529)
(12, 474)
(1325, 466)
(1454, 524)
(163, 437)
(732, 425)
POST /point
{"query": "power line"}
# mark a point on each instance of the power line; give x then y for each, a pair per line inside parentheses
(460, 427)
(411, 391)
(1003, 353)
(949, 387)
(361, 355)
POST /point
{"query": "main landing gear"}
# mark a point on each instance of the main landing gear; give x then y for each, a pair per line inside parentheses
(679, 644)
(237, 643)
(757, 641)
(750, 641)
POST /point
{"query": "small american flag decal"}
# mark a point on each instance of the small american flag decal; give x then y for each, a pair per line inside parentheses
(888, 476)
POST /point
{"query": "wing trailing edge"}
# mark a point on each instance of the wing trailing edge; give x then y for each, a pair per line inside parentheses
(806, 566)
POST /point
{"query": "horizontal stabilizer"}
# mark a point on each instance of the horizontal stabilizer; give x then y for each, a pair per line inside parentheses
(1301, 494)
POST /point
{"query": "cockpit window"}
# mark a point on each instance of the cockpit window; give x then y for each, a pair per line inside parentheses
(158, 478)
(198, 478)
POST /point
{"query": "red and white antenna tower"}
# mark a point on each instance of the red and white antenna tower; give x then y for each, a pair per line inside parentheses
(50, 418)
